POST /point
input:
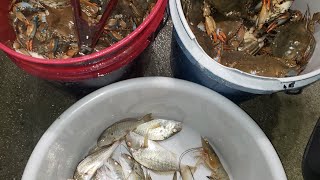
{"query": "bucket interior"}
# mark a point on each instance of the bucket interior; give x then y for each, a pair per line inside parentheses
(246, 151)
(302, 5)
(6, 30)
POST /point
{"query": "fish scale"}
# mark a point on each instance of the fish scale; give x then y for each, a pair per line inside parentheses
(119, 129)
(154, 156)
(159, 129)
(88, 166)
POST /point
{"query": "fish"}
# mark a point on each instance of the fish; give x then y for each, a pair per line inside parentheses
(159, 129)
(175, 176)
(131, 168)
(94, 149)
(102, 173)
(187, 172)
(88, 166)
(148, 177)
(115, 168)
(119, 130)
(153, 156)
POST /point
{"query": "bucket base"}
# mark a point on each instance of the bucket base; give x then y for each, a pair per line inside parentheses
(85, 87)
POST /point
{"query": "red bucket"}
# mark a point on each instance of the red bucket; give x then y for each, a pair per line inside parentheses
(86, 67)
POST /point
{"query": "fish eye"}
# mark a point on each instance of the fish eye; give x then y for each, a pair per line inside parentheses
(174, 130)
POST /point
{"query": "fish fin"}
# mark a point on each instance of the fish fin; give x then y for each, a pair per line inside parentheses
(147, 117)
(146, 139)
(185, 168)
(175, 176)
(192, 169)
(148, 177)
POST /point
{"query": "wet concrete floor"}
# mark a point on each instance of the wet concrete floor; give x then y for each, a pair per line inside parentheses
(29, 105)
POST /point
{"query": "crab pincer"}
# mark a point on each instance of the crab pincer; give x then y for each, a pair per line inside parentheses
(210, 25)
(283, 18)
(264, 13)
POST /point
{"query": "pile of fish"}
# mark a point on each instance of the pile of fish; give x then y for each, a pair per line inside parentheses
(46, 28)
(261, 37)
(144, 153)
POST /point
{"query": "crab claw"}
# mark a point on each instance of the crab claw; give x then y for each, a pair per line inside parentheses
(221, 35)
(213, 31)
(264, 13)
(283, 18)
(267, 3)
(29, 45)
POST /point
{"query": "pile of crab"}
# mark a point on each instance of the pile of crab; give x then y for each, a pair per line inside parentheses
(260, 37)
(46, 28)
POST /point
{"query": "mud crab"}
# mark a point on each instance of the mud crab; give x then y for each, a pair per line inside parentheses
(260, 65)
(272, 10)
(295, 40)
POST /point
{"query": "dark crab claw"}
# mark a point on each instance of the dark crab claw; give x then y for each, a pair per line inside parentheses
(283, 18)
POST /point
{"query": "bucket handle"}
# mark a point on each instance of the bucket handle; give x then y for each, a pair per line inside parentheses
(162, 24)
(292, 91)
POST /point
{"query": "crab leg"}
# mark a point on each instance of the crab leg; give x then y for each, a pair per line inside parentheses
(279, 21)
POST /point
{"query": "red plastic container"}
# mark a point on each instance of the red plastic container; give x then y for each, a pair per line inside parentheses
(88, 67)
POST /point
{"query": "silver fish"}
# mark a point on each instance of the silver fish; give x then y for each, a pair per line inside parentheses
(88, 166)
(159, 129)
(151, 154)
(116, 172)
(94, 149)
(119, 129)
(131, 168)
(102, 173)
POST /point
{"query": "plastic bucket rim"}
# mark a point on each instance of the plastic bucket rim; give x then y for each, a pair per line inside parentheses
(88, 58)
(263, 142)
(206, 62)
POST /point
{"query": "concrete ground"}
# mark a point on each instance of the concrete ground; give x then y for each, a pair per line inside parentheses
(29, 105)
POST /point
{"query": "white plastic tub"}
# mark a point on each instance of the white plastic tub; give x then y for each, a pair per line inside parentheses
(245, 150)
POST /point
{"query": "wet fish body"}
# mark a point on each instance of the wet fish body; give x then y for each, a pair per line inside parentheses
(159, 129)
(88, 166)
(153, 157)
(119, 129)
(102, 173)
(115, 168)
(131, 168)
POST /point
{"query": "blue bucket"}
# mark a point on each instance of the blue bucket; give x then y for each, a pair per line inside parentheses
(193, 64)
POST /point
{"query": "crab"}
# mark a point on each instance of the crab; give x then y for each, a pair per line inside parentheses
(262, 65)
(271, 10)
(295, 40)
(211, 26)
